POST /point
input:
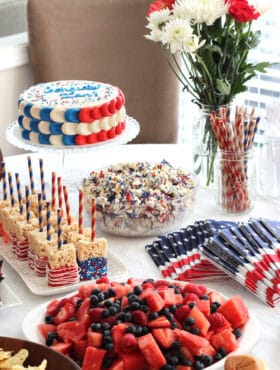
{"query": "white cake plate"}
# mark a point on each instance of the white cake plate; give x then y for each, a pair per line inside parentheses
(13, 135)
(70, 175)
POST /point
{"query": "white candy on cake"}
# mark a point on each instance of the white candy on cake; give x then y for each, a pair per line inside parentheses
(63, 113)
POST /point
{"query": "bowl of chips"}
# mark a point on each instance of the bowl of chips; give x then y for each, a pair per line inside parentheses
(141, 198)
(22, 354)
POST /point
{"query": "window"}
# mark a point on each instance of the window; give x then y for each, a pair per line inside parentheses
(12, 15)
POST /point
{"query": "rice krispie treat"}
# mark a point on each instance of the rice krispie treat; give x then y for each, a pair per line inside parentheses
(21, 229)
(92, 258)
(62, 268)
(37, 250)
(139, 198)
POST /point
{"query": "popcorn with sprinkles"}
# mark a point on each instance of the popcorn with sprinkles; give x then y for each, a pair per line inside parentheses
(140, 198)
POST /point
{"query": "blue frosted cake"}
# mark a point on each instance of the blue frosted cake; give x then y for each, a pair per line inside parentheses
(63, 113)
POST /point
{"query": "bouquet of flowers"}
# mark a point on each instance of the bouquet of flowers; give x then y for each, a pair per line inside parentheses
(206, 44)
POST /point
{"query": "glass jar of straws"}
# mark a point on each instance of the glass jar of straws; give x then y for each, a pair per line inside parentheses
(236, 180)
(236, 175)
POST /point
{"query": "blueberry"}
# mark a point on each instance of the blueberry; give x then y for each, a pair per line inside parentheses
(105, 326)
(222, 351)
(135, 306)
(96, 326)
(237, 332)
(109, 347)
(106, 313)
(198, 365)
(189, 321)
(133, 298)
(204, 297)
(195, 330)
(152, 315)
(107, 339)
(137, 290)
(52, 335)
(49, 319)
(111, 292)
(94, 299)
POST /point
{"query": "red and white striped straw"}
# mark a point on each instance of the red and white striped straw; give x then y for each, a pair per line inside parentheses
(67, 205)
(93, 219)
(80, 211)
(53, 202)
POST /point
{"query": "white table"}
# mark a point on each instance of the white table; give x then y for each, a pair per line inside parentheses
(131, 250)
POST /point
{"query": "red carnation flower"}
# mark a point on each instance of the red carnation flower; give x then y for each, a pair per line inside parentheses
(242, 11)
(161, 4)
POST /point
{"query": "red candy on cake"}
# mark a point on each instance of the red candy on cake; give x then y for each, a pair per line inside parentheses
(144, 325)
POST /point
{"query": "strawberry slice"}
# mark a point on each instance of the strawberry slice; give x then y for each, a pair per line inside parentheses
(53, 307)
(64, 313)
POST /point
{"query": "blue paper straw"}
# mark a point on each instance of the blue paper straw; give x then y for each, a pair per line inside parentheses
(40, 209)
(48, 221)
(4, 177)
(19, 194)
(11, 189)
(27, 203)
(59, 229)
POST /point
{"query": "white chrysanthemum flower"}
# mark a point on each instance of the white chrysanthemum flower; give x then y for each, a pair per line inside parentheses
(262, 6)
(176, 35)
(194, 44)
(200, 11)
(155, 35)
(157, 18)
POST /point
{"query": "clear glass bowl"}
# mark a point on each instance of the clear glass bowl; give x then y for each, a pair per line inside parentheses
(148, 215)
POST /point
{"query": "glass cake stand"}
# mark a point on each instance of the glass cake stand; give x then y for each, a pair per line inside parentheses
(71, 175)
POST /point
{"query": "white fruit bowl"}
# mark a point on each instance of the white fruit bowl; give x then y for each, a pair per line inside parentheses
(249, 337)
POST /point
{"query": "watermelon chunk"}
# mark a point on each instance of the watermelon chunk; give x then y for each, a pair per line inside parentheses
(224, 339)
(45, 329)
(133, 361)
(195, 344)
(200, 320)
(71, 331)
(93, 358)
(235, 311)
(165, 336)
(154, 301)
(151, 351)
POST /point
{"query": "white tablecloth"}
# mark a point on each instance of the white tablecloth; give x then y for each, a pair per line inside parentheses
(131, 250)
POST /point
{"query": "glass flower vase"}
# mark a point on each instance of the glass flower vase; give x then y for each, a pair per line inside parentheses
(204, 145)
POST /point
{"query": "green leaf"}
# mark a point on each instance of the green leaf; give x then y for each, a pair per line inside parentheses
(223, 86)
(261, 67)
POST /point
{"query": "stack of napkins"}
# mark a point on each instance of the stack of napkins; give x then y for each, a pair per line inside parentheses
(249, 252)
